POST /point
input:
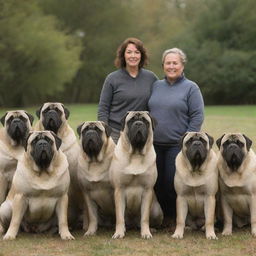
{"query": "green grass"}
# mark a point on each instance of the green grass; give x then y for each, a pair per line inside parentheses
(194, 243)
(218, 120)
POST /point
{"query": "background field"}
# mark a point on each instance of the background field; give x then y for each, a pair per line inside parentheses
(218, 120)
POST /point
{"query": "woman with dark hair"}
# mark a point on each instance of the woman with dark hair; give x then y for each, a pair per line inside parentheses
(128, 88)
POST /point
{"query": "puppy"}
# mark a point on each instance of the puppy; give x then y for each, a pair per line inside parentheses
(39, 188)
(196, 183)
(237, 168)
(17, 125)
(96, 152)
(53, 116)
(133, 174)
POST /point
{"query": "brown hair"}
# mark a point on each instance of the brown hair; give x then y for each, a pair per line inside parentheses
(120, 60)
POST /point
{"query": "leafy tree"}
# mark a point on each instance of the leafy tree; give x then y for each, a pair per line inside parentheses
(102, 25)
(37, 57)
(220, 44)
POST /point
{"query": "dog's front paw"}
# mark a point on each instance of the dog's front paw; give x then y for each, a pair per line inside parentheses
(90, 232)
(226, 232)
(211, 236)
(146, 235)
(253, 230)
(9, 236)
(118, 235)
(66, 236)
(177, 235)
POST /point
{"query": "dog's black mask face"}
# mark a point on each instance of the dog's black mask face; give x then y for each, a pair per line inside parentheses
(138, 131)
(42, 151)
(233, 153)
(52, 119)
(17, 128)
(91, 140)
(196, 151)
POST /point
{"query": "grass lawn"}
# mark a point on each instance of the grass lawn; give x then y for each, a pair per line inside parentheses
(218, 120)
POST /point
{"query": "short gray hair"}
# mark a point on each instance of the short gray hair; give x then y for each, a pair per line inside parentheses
(178, 51)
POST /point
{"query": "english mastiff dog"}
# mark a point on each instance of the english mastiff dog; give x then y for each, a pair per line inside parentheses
(133, 175)
(53, 116)
(96, 152)
(237, 179)
(16, 126)
(39, 188)
(196, 184)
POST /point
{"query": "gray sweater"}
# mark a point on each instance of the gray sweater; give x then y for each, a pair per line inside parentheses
(122, 92)
(177, 108)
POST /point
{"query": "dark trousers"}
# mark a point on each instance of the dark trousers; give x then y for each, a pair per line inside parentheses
(164, 187)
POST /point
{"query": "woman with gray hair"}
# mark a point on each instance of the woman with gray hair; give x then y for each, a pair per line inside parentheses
(177, 105)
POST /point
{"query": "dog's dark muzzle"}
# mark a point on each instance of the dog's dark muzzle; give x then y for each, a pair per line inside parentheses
(234, 156)
(138, 134)
(92, 143)
(42, 154)
(52, 121)
(196, 154)
(17, 130)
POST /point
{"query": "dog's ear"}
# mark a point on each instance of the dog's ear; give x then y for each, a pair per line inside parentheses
(31, 118)
(58, 141)
(248, 142)
(78, 129)
(25, 141)
(123, 121)
(38, 112)
(108, 129)
(66, 112)
(3, 119)
(218, 141)
(182, 138)
(211, 139)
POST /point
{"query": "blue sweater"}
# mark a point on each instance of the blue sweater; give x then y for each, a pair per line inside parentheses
(177, 108)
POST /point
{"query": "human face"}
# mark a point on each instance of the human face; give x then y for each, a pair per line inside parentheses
(132, 56)
(173, 66)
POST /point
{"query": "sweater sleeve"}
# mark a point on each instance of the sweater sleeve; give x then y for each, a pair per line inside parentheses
(105, 101)
(196, 109)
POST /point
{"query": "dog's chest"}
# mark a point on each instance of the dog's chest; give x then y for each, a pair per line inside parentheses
(136, 181)
(239, 198)
(104, 198)
(40, 209)
(195, 197)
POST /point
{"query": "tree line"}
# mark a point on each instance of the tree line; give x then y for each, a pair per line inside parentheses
(63, 50)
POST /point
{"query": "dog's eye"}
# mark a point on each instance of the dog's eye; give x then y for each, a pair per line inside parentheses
(57, 110)
(33, 142)
(226, 143)
(203, 141)
(48, 140)
(86, 129)
(240, 144)
(189, 141)
(45, 111)
(22, 118)
(97, 129)
(10, 119)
